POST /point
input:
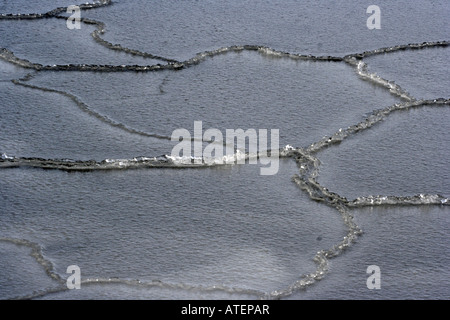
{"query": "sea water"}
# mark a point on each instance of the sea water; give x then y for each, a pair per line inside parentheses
(87, 177)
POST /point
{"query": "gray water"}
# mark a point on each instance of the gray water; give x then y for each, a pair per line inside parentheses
(86, 179)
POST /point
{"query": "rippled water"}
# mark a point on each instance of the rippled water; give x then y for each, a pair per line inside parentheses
(87, 177)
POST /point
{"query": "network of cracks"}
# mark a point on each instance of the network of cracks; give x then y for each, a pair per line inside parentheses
(305, 157)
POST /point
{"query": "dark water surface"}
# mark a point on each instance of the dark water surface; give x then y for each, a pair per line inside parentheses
(87, 177)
